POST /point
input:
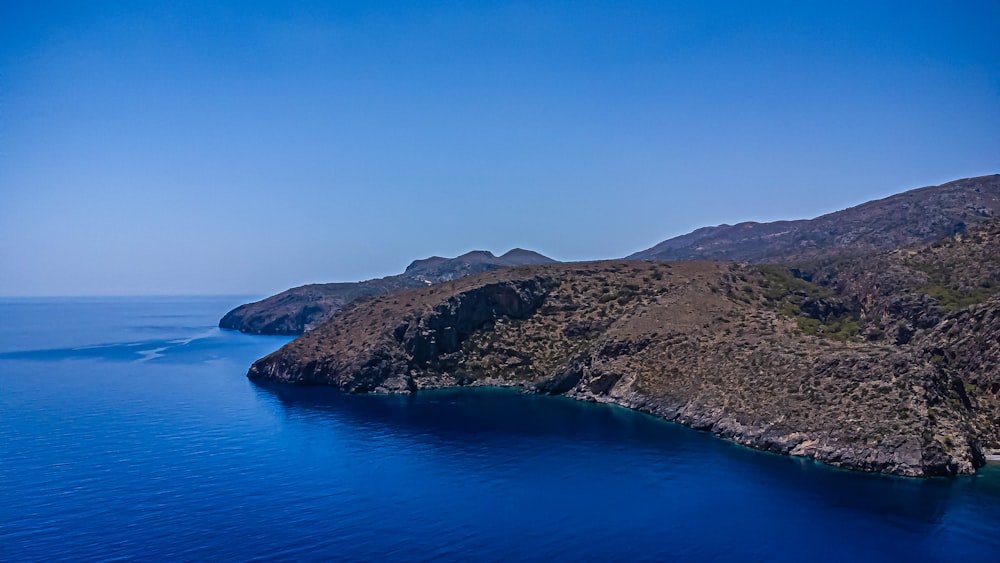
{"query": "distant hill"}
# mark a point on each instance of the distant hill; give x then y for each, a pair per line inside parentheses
(303, 308)
(907, 219)
(436, 269)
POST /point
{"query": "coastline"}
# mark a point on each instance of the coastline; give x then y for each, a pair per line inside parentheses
(763, 437)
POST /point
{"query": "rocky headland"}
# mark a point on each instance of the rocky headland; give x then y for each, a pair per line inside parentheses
(885, 361)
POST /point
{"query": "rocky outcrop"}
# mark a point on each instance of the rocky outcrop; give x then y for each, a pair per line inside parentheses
(299, 309)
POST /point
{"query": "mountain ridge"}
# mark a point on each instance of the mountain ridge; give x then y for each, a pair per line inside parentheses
(904, 219)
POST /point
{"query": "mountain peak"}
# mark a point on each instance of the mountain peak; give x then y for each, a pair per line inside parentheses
(521, 256)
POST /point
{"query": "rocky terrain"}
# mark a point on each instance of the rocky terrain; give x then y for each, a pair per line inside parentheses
(302, 308)
(889, 368)
(902, 220)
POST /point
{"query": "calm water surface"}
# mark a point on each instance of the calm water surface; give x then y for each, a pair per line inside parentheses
(129, 430)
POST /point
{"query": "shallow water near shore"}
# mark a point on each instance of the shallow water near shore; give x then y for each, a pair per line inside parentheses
(129, 430)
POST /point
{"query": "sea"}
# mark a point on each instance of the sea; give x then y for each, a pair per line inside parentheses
(129, 431)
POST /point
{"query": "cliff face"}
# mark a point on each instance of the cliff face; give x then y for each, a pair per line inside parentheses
(902, 220)
(388, 345)
(753, 354)
(299, 309)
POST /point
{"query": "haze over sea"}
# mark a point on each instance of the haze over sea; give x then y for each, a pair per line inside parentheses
(128, 430)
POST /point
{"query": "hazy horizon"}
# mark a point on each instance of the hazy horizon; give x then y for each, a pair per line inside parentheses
(188, 149)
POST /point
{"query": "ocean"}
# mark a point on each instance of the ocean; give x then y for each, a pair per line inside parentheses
(129, 431)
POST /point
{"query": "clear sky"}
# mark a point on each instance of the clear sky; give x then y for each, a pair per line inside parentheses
(247, 147)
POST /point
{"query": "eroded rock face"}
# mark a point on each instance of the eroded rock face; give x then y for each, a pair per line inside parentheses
(425, 344)
(703, 344)
(432, 340)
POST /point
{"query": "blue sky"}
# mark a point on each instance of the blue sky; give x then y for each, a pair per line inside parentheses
(247, 147)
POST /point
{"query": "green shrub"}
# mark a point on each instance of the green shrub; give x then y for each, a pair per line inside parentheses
(952, 298)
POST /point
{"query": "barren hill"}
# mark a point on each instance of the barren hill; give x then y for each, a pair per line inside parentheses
(907, 219)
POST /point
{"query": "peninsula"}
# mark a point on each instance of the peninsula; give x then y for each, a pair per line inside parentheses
(874, 347)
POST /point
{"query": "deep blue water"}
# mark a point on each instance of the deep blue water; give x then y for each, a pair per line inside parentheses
(129, 430)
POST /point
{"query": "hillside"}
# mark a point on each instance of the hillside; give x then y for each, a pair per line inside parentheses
(907, 219)
(301, 308)
(754, 354)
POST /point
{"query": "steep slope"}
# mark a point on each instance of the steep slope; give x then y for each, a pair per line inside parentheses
(301, 308)
(751, 353)
(911, 218)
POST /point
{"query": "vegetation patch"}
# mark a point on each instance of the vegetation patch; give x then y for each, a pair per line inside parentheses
(815, 308)
(953, 298)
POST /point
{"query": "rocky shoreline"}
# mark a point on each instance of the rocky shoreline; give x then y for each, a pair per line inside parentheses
(903, 459)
